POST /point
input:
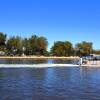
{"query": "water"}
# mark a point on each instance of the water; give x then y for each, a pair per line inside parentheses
(68, 83)
(36, 61)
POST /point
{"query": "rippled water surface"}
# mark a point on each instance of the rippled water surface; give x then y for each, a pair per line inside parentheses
(68, 83)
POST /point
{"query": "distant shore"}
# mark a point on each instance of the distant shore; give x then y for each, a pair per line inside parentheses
(36, 57)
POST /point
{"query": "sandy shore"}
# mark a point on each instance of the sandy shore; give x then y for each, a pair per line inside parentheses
(36, 57)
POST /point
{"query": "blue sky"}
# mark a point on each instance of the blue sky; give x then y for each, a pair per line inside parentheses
(72, 20)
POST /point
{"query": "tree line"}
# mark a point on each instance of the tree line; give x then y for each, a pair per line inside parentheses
(37, 45)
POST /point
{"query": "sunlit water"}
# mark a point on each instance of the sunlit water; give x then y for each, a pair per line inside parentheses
(68, 83)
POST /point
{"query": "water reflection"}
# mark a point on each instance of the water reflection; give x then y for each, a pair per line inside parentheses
(22, 61)
(62, 61)
(71, 83)
(37, 61)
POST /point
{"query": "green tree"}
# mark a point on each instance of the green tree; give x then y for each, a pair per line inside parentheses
(62, 48)
(57, 49)
(2, 41)
(42, 44)
(84, 48)
(27, 46)
(35, 45)
(68, 48)
(14, 45)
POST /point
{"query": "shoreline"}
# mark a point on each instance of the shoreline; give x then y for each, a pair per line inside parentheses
(90, 64)
(36, 57)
